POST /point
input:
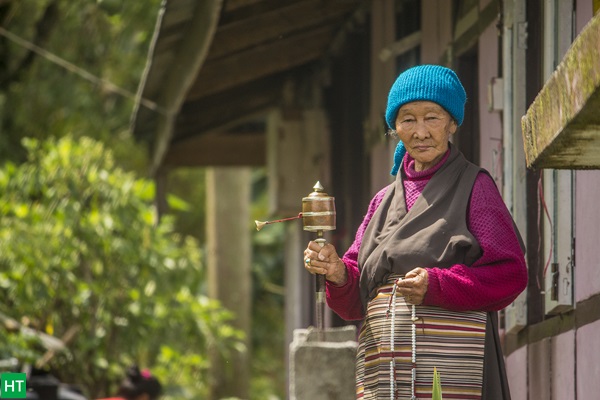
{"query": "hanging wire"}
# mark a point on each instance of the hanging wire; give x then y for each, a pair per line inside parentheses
(111, 87)
(542, 204)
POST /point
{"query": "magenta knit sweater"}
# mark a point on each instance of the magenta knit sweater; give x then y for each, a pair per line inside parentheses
(490, 284)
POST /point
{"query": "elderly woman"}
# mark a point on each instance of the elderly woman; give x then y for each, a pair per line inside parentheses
(435, 257)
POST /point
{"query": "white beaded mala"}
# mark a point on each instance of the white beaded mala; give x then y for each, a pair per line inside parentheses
(414, 352)
(392, 310)
(392, 348)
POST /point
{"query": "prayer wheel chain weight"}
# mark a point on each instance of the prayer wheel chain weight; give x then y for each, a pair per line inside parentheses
(318, 211)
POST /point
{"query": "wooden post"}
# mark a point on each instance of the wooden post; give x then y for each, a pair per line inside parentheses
(229, 263)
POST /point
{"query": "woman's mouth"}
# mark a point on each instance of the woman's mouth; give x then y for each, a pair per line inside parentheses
(421, 147)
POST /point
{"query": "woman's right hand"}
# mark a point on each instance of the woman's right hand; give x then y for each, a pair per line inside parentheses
(325, 261)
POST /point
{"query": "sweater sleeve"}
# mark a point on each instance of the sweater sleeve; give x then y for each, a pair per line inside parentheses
(499, 275)
(345, 299)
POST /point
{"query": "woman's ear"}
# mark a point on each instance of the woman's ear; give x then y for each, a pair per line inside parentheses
(453, 126)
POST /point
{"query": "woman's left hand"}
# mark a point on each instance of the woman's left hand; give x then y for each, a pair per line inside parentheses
(414, 286)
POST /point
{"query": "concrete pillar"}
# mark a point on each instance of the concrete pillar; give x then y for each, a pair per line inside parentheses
(323, 370)
(229, 276)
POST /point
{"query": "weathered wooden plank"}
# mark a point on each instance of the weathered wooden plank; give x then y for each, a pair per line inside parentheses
(249, 65)
(585, 312)
(248, 149)
(275, 25)
(248, 9)
(228, 108)
(237, 4)
(561, 129)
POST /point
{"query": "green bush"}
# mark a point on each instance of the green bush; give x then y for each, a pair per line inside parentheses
(81, 249)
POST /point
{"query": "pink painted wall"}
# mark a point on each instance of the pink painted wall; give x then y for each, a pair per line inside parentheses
(588, 367)
(587, 213)
(490, 123)
(585, 12)
(538, 369)
(546, 369)
(516, 364)
(587, 234)
(563, 366)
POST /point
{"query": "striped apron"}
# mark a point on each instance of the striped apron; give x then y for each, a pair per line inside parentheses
(452, 342)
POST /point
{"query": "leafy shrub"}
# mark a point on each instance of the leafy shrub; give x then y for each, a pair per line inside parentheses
(81, 250)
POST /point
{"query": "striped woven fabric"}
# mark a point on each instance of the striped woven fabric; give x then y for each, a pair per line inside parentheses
(453, 342)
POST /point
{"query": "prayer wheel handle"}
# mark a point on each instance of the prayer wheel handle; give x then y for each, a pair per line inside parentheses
(318, 215)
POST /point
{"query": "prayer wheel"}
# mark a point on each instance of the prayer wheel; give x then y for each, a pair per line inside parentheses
(318, 210)
(318, 215)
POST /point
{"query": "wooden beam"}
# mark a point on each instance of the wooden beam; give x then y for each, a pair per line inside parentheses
(248, 149)
(224, 109)
(401, 46)
(236, 12)
(561, 129)
(276, 24)
(467, 33)
(249, 65)
(585, 312)
(231, 5)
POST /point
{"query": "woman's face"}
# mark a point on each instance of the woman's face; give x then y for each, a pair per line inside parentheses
(425, 128)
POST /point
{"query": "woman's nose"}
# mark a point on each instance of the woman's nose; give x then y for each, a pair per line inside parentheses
(421, 130)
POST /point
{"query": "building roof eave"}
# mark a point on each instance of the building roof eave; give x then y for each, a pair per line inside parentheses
(169, 89)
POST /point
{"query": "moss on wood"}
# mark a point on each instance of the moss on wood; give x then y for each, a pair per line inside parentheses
(562, 126)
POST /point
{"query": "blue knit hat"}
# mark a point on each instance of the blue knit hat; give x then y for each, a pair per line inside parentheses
(425, 83)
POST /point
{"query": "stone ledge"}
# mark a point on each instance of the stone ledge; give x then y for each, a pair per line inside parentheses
(322, 364)
(562, 126)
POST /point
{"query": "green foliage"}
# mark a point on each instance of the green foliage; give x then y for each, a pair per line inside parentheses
(437, 386)
(188, 184)
(80, 247)
(21, 347)
(267, 340)
(40, 99)
(268, 332)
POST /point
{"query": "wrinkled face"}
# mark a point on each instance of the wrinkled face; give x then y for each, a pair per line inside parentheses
(425, 128)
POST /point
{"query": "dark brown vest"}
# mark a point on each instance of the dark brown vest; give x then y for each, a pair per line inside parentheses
(433, 233)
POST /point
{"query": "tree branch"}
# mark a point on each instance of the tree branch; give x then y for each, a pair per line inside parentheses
(44, 27)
